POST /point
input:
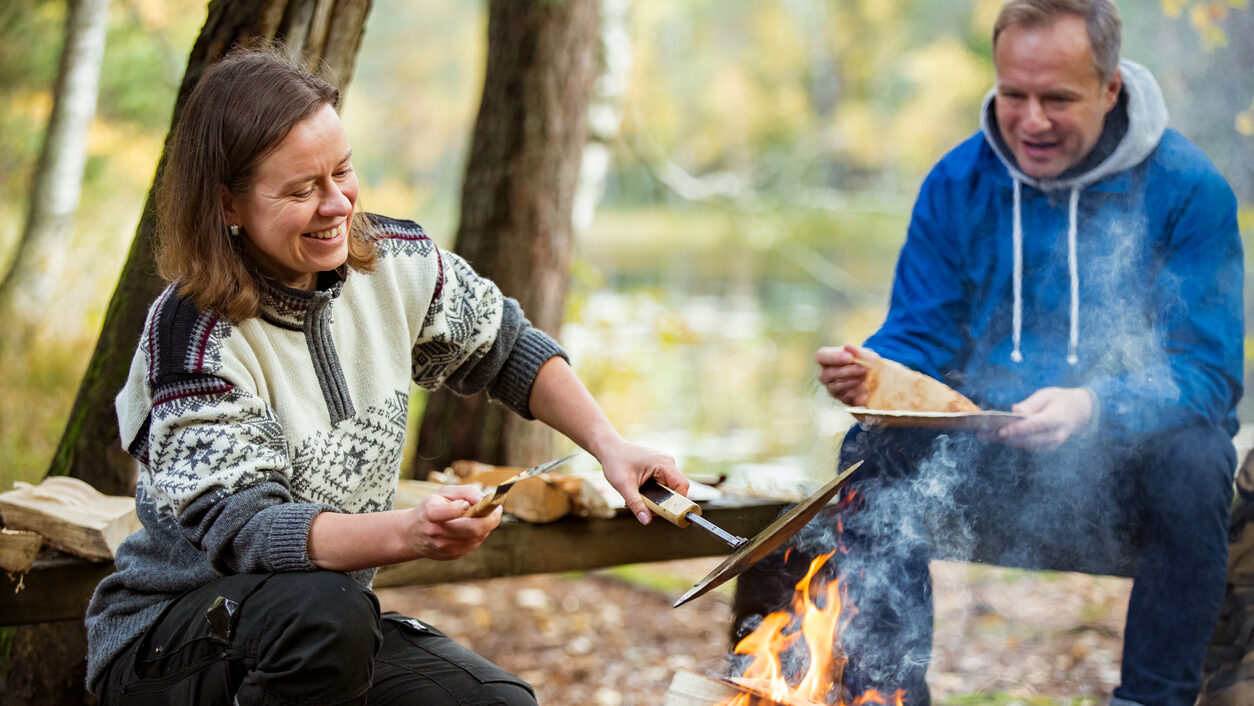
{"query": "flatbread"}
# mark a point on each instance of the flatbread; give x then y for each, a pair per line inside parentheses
(893, 386)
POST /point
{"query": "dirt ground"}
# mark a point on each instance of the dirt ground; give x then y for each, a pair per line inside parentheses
(613, 639)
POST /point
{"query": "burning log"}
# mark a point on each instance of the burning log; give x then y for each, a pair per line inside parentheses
(805, 637)
(692, 689)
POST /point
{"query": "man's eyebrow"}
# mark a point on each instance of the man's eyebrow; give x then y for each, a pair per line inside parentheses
(296, 181)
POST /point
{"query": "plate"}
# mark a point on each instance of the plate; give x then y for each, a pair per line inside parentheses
(978, 421)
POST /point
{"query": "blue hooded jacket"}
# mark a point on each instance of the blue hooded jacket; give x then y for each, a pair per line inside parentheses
(1125, 279)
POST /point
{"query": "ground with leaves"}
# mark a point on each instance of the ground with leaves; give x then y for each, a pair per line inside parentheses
(612, 638)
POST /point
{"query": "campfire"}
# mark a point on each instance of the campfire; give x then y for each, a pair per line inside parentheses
(794, 658)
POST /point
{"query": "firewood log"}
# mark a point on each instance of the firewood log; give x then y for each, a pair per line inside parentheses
(18, 549)
(71, 516)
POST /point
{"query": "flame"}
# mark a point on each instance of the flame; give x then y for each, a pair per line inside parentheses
(818, 632)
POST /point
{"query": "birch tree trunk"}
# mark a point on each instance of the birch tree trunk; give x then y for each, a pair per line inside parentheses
(32, 277)
(329, 33)
(517, 200)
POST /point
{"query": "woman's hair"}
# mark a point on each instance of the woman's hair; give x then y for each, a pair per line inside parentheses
(238, 113)
(1101, 17)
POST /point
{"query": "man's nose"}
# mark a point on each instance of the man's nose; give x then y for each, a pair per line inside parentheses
(1035, 119)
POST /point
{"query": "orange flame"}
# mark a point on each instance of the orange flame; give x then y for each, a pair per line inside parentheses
(819, 631)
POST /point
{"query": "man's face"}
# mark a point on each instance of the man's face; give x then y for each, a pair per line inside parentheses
(1050, 102)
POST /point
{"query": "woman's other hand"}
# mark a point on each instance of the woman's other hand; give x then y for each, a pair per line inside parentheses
(433, 529)
(438, 529)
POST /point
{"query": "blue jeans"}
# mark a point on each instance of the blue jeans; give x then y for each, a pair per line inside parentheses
(1156, 511)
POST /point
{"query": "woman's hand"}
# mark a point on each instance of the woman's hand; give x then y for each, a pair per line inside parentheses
(627, 466)
(433, 529)
(840, 376)
(436, 526)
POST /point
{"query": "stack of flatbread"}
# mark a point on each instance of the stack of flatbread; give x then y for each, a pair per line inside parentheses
(893, 386)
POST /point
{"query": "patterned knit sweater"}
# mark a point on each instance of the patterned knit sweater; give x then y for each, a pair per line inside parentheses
(246, 430)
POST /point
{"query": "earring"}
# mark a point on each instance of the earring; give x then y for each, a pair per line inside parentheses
(234, 230)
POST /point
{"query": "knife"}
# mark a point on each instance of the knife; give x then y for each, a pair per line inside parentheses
(496, 495)
(680, 511)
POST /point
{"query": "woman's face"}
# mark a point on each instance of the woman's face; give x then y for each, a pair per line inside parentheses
(295, 219)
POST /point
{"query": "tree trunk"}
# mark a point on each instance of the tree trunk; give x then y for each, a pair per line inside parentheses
(327, 31)
(32, 275)
(605, 110)
(516, 203)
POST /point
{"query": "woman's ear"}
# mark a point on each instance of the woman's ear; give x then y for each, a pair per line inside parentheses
(228, 209)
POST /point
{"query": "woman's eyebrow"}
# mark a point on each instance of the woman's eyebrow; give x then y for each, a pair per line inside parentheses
(296, 181)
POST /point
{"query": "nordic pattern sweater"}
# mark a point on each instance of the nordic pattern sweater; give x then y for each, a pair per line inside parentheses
(245, 431)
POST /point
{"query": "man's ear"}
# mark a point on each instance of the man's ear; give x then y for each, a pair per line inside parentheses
(1111, 93)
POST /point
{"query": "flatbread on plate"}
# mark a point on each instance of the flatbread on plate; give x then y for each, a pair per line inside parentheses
(893, 386)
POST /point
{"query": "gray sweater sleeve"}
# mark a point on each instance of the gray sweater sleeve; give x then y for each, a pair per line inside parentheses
(508, 369)
(474, 339)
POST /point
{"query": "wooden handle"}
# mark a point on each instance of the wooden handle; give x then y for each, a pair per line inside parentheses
(484, 507)
(667, 503)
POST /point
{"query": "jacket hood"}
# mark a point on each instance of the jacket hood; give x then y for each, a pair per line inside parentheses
(1146, 121)
(1130, 133)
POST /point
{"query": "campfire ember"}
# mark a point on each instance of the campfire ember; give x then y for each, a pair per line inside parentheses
(806, 635)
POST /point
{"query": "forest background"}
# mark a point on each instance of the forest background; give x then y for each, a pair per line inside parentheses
(760, 179)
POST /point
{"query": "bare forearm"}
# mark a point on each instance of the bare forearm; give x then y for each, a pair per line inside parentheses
(342, 542)
(559, 399)
(434, 529)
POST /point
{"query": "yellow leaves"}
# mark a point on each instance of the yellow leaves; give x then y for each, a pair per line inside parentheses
(859, 133)
(984, 14)
(132, 152)
(1206, 16)
(1173, 8)
(1245, 121)
(946, 83)
(1213, 9)
(881, 11)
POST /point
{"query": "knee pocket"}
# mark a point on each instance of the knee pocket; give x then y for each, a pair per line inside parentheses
(433, 657)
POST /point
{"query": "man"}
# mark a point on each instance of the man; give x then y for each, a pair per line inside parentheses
(1078, 263)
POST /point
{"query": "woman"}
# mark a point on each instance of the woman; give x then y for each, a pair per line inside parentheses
(267, 407)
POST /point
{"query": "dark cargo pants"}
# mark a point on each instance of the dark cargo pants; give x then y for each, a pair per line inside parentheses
(299, 638)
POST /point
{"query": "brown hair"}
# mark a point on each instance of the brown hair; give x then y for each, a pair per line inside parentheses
(1101, 17)
(238, 113)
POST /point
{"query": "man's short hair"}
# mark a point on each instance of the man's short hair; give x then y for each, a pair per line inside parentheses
(1100, 16)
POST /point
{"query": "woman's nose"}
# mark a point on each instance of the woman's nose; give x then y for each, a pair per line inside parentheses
(334, 201)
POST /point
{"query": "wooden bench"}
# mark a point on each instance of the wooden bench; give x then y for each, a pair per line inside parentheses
(59, 587)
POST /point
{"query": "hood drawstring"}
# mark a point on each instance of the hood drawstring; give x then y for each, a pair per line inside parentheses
(1073, 266)
(1073, 345)
(1016, 355)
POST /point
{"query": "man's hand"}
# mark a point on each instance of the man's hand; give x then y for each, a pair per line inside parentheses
(1053, 415)
(840, 376)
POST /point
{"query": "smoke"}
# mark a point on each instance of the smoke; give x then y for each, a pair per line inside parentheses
(953, 496)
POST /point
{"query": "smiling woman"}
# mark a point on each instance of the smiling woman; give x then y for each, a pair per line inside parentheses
(275, 173)
(295, 227)
(269, 432)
